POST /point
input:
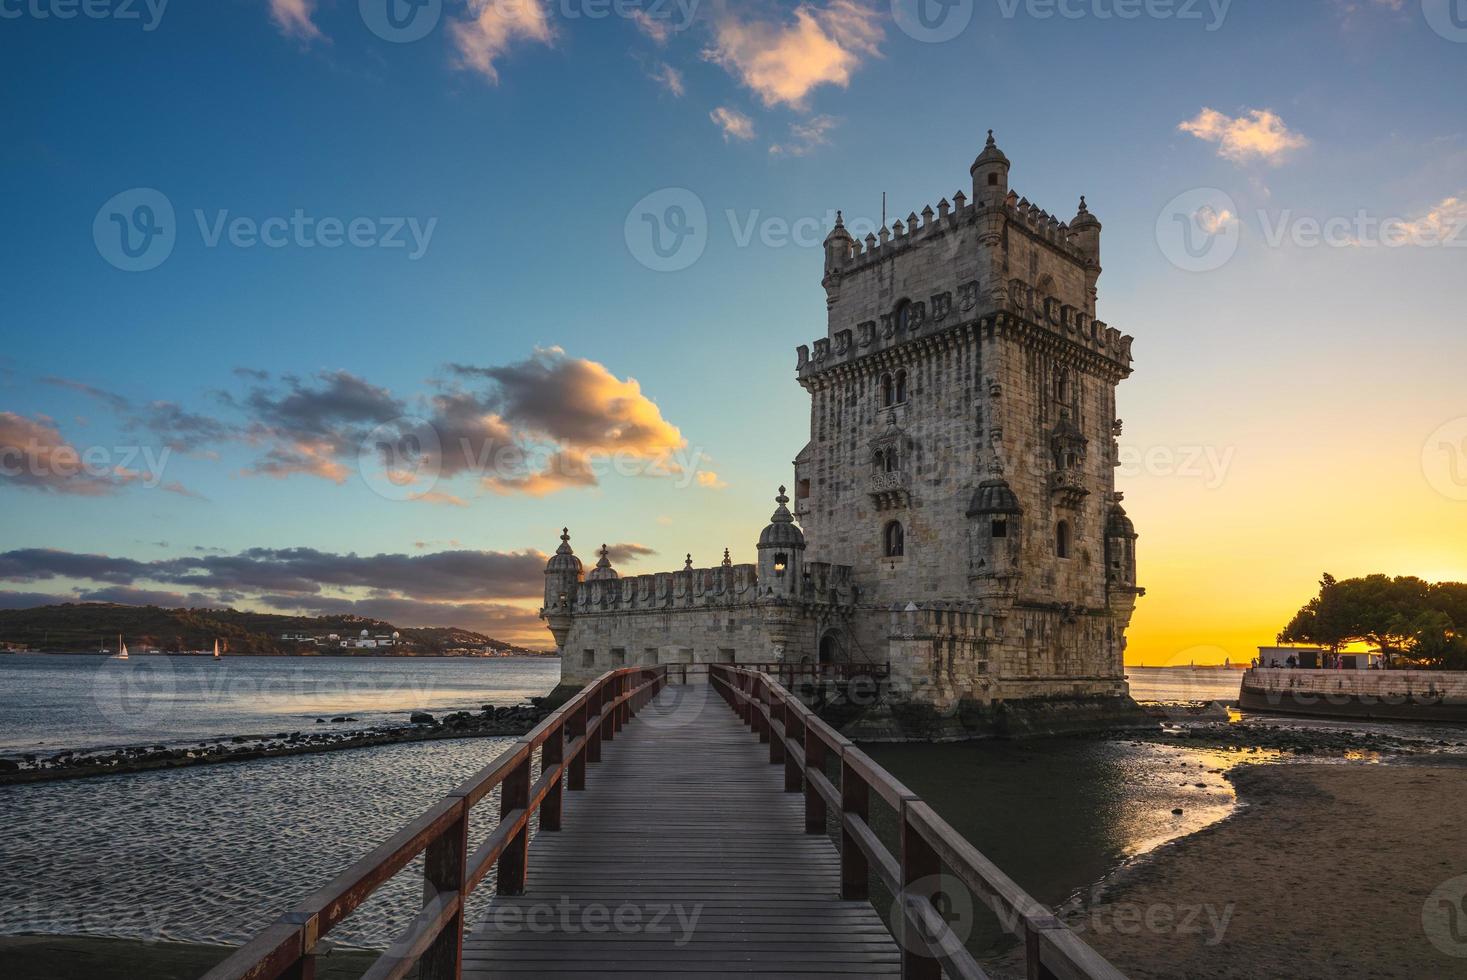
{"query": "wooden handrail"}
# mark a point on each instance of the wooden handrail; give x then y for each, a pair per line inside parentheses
(929, 846)
(567, 740)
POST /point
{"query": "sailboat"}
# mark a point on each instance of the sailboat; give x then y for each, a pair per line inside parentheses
(121, 649)
(216, 650)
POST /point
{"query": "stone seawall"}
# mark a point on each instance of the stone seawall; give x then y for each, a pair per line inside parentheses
(1398, 695)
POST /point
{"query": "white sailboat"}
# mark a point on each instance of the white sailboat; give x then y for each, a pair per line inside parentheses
(216, 649)
(121, 649)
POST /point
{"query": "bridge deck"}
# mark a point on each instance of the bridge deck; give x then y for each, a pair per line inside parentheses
(683, 856)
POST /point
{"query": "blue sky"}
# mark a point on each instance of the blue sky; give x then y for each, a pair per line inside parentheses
(1315, 378)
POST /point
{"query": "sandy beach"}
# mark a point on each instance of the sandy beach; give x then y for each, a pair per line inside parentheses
(1326, 871)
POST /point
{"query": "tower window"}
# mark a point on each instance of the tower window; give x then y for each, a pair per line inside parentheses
(1062, 539)
(891, 462)
(802, 489)
(901, 388)
(894, 542)
(1000, 527)
(888, 391)
(781, 562)
(993, 180)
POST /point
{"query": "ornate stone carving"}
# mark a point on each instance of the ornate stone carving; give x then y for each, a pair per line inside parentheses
(942, 305)
(867, 333)
(968, 296)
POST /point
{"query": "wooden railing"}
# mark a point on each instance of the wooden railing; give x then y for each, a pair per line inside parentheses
(930, 850)
(567, 740)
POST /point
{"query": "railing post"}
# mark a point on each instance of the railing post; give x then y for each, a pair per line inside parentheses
(576, 781)
(514, 794)
(794, 728)
(552, 753)
(593, 731)
(776, 739)
(855, 801)
(443, 873)
(919, 866)
(815, 813)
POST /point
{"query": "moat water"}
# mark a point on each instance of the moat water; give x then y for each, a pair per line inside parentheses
(213, 853)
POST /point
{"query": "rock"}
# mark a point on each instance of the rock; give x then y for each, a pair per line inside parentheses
(422, 718)
(1177, 812)
(7, 766)
(320, 721)
(338, 719)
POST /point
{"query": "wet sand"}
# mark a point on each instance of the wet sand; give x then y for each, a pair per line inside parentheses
(1325, 872)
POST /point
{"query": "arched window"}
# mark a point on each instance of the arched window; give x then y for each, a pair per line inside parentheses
(901, 387)
(888, 391)
(891, 461)
(1062, 539)
(894, 542)
(1000, 527)
(993, 180)
(1062, 387)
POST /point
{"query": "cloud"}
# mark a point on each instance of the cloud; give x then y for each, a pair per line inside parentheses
(293, 18)
(669, 78)
(34, 455)
(493, 26)
(783, 61)
(311, 426)
(710, 480)
(1259, 134)
(735, 125)
(1444, 223)
(30, 600)
(628, 552)
(439, 576)
(805, 137)
(1213, 221)
(176, 427)
(659, 29)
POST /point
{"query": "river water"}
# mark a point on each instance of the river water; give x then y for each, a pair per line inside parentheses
(212, 853)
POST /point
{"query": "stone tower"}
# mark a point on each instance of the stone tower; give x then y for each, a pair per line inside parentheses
(962, 447)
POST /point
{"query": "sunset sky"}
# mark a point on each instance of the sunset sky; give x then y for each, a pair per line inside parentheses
(443, 222)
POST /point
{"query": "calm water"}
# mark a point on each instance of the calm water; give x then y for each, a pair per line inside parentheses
(53, 702)
(1172, 684)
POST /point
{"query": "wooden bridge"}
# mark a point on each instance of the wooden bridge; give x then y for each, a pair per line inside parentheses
(710, 828)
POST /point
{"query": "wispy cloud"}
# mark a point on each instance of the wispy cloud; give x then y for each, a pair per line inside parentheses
(36, 456)
(783, 60)
(294, 19)
(1258, 134)
(669, 78)
(735, 125)
(493, 27)
(806, 136)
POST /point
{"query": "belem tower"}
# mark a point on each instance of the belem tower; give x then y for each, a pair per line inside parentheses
(954, 512)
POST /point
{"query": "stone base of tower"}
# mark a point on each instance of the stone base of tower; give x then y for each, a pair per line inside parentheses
(893, 720)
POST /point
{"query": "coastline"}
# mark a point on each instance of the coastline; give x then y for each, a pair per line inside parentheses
(1320, 871)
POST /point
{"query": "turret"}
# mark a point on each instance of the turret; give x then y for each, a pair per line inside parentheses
(838, 247)
(562, 579)
(781, 552)
(1120, 549)
(995, 535)
(990, 176)
(1085, 230)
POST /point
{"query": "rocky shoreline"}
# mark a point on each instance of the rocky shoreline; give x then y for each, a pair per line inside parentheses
(489, 721)
(1205, 730)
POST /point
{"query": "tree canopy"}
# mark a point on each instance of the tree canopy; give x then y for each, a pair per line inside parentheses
(1413, 620)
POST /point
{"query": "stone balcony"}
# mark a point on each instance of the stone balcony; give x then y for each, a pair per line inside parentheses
(1068, 487)
(889, 489)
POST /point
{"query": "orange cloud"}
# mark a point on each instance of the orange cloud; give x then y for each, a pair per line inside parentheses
(782, 61)
(293, 17)
(495, 25)
(735, 125)
(1260, 134)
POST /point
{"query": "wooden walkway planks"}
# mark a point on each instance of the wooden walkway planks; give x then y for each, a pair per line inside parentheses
(683, 856)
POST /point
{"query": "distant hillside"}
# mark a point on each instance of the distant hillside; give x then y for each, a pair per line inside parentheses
(89, 626)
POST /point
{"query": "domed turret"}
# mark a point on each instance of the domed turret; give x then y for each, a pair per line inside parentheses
(781, 551)
(603, 571)
(564, 559)
(562, 577)
(994, 496)
(1086, 229)
(1120, 548)
(990, 175)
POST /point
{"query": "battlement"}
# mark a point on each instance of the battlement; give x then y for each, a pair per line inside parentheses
(723, 585)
